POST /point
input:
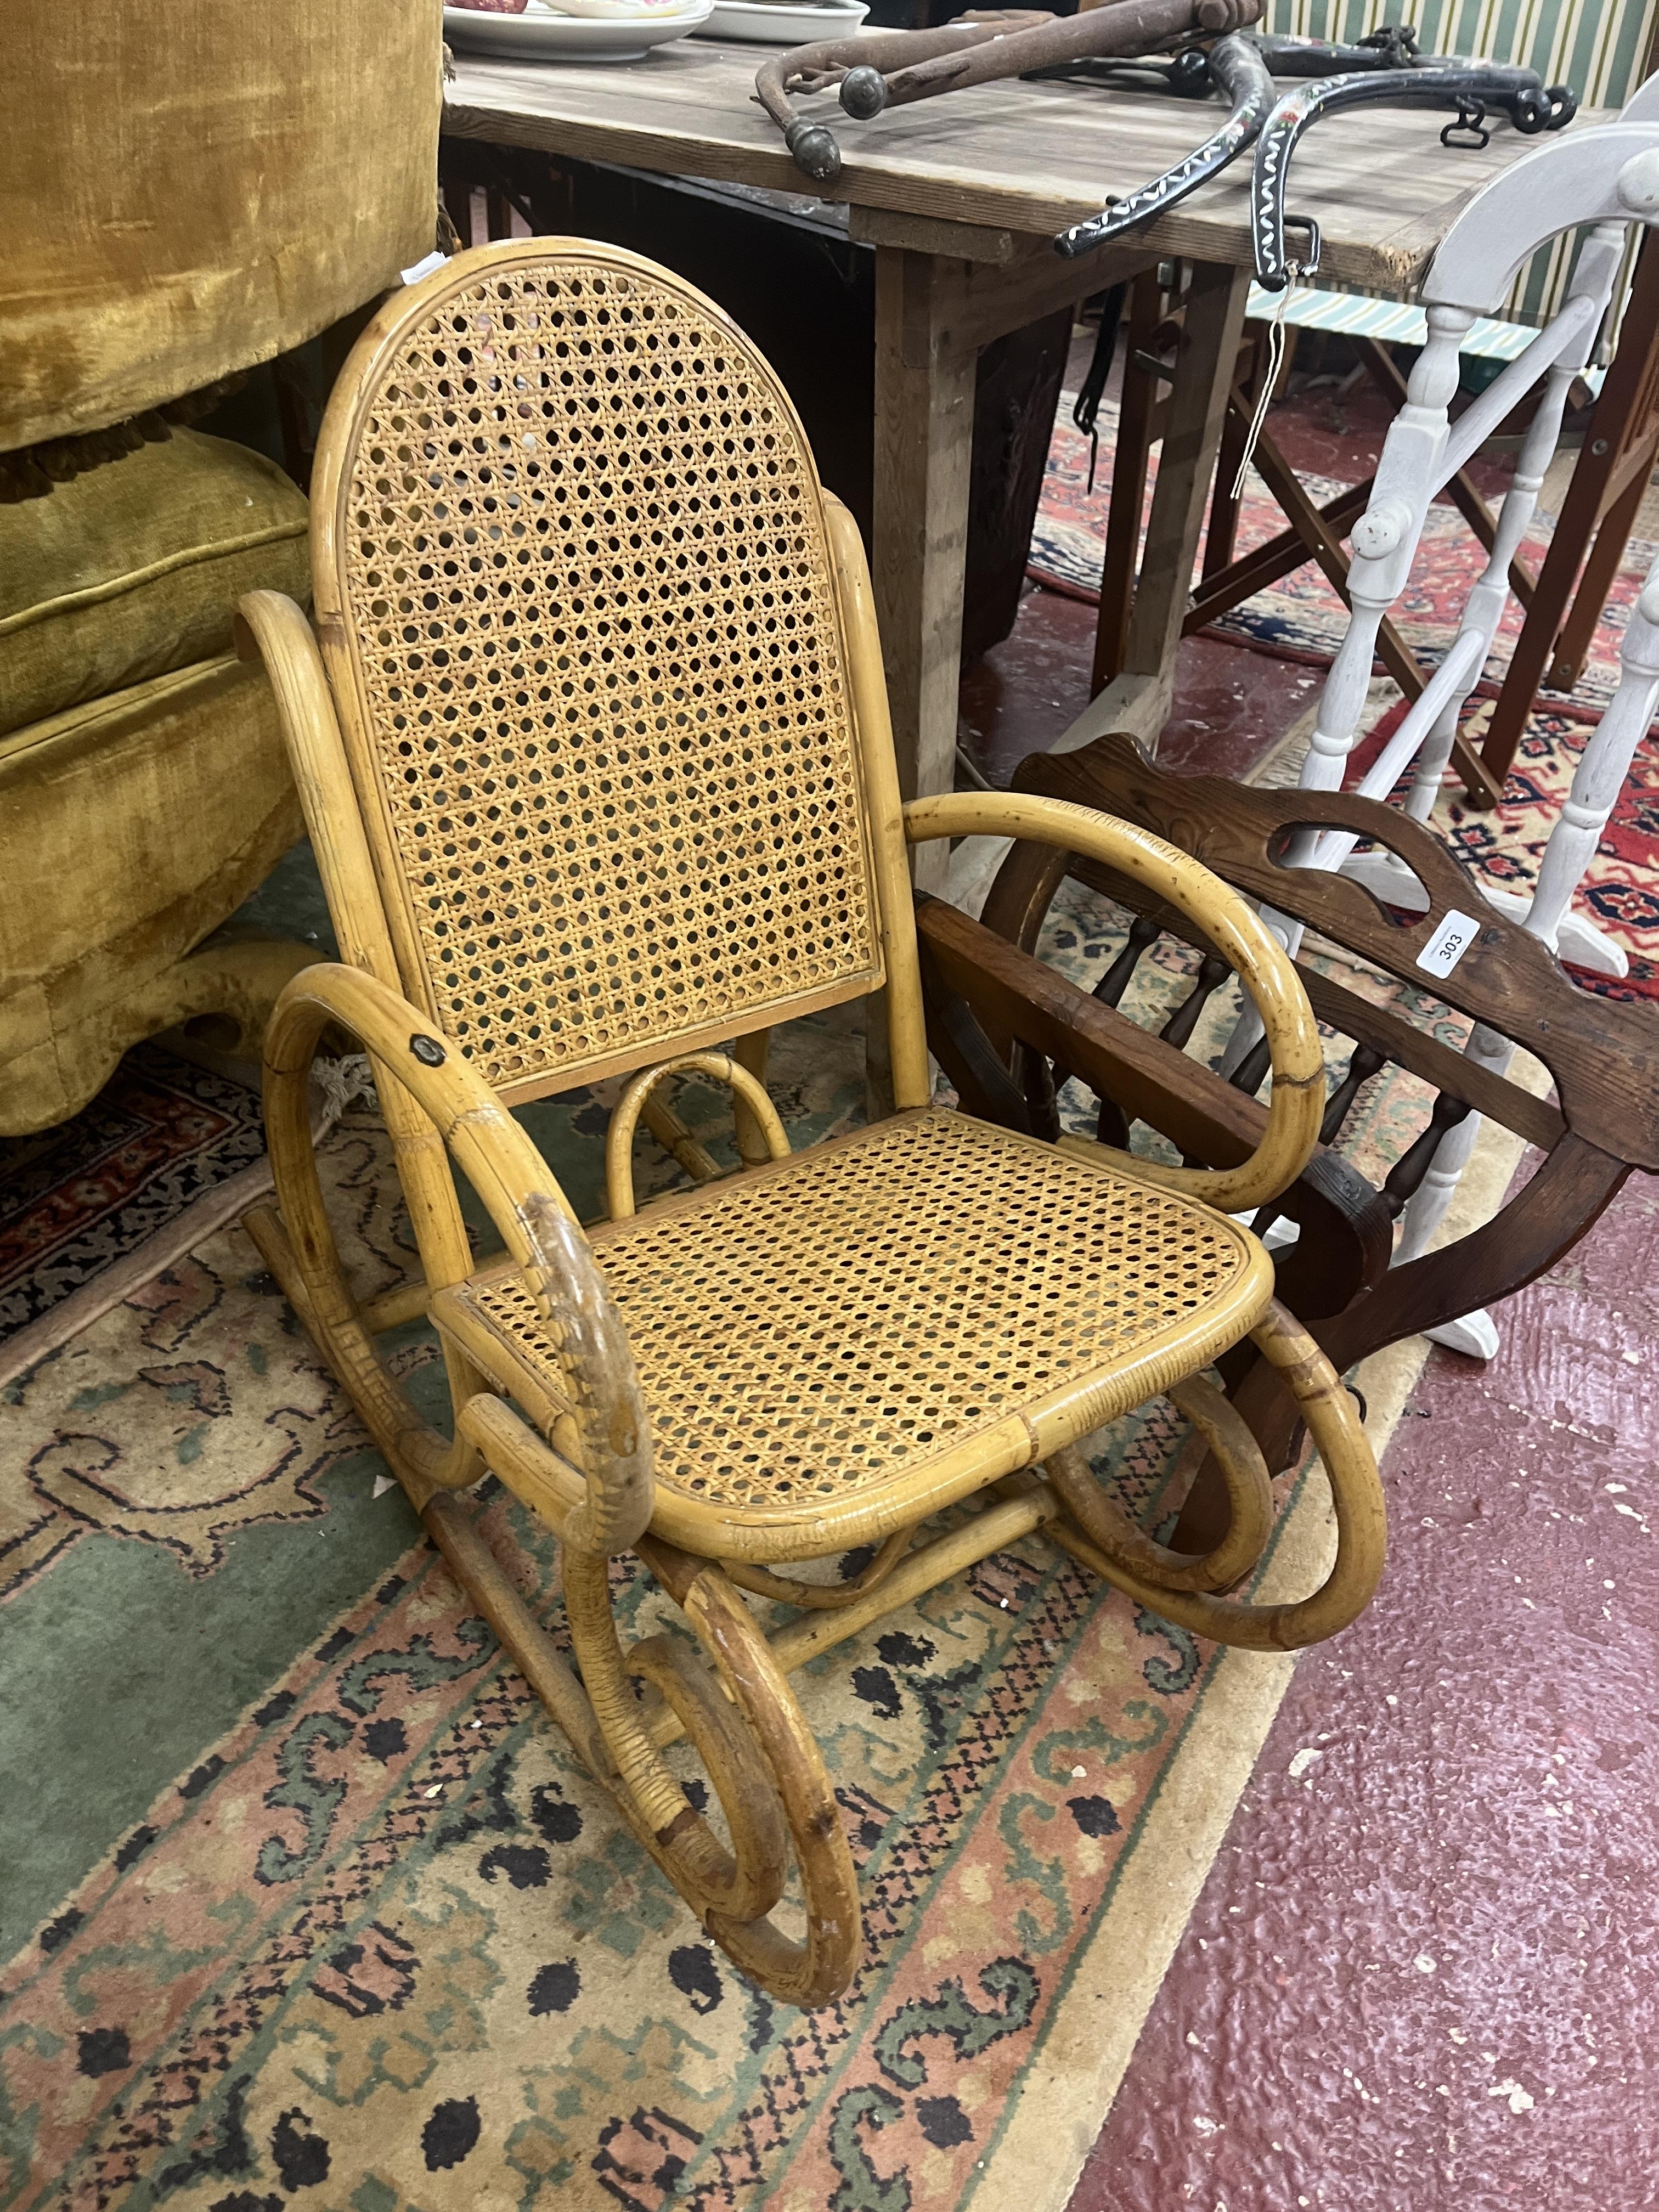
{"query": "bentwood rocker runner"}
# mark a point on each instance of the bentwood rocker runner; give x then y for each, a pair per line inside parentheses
(593, 743)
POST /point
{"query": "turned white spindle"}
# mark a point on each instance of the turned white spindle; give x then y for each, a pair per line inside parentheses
(1426, 1210)
(1384, 543)
(1602, 769)
(1586, 304)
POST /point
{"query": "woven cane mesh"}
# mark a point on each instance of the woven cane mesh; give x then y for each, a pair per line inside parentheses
(585, 569)
(815, 1334)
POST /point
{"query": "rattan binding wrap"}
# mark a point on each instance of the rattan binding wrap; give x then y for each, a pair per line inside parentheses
(825, 1328)
(591, 642)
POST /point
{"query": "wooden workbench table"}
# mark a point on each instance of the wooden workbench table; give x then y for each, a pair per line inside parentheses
(961, 197)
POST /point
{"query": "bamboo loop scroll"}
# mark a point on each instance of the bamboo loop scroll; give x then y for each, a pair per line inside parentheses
(525, 1202)
(1168, 1584)
(1249, 1496)
(747, 1088)
(771, 1781)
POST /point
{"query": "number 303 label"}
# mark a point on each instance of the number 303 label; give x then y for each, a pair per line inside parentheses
(1449, 944)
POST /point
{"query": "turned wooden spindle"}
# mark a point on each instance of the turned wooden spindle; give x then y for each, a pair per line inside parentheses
(1143, 931)
(1042, 1080)
(1247, 1076)
(1111, 1127)
(1364, 1064)
(1212, 973)
(1413, 1165)
(1112, 1124)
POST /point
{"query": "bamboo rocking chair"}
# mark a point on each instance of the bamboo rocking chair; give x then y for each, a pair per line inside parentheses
(593, 744)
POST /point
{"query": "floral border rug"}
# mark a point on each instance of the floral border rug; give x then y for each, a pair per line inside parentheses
(386, 1937)
(78, 1198)
(1504, 847)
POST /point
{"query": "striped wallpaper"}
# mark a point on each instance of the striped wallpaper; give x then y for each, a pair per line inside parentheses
(1597, 46)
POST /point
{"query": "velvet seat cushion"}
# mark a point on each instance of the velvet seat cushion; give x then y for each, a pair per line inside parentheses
(136, 569)
(130, 827)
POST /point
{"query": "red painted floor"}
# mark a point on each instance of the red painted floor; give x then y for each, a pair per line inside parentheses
(1421, 1974)
(1421, 1977)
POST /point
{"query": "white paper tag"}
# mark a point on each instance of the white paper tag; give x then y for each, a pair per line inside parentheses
(434, 260)
(1449, 944)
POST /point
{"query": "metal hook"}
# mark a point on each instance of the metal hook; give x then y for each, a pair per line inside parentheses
(1308, 264)
(1395, 42)
(1471, 114)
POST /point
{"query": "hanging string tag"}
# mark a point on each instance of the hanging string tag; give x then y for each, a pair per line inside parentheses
(1295, 272)
(1086, 408)
(1270, 380)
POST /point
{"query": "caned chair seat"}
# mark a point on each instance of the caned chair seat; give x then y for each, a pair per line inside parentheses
(929, 1302)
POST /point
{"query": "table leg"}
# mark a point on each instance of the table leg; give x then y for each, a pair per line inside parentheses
(1138, 699)
(1606, 558)
(1130, 463)
(925, 380)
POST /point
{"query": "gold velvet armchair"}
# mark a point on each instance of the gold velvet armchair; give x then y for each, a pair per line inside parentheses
(184, 192)
(593, 743)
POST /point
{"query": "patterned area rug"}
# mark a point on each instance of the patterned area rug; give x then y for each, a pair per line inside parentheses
(1300, 617)
(1505, 847)
(76, 1200)
(387, 1935)
(168, 1151)
(305, 1893)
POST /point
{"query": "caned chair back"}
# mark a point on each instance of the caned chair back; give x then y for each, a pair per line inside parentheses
(577, 606)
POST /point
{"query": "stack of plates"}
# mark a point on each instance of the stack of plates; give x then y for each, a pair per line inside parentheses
(546, 37)
(770, 23)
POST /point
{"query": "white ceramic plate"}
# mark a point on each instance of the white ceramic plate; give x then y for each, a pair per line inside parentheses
(570, 38)
(764, 25)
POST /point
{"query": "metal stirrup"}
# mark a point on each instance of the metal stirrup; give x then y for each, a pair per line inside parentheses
(1236, 67)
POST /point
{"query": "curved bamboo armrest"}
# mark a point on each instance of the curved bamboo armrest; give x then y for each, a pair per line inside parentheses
(523, 1198)
(1239, 935)
(619, 1138)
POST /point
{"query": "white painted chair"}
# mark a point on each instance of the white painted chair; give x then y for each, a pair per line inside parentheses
(1606, 179)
